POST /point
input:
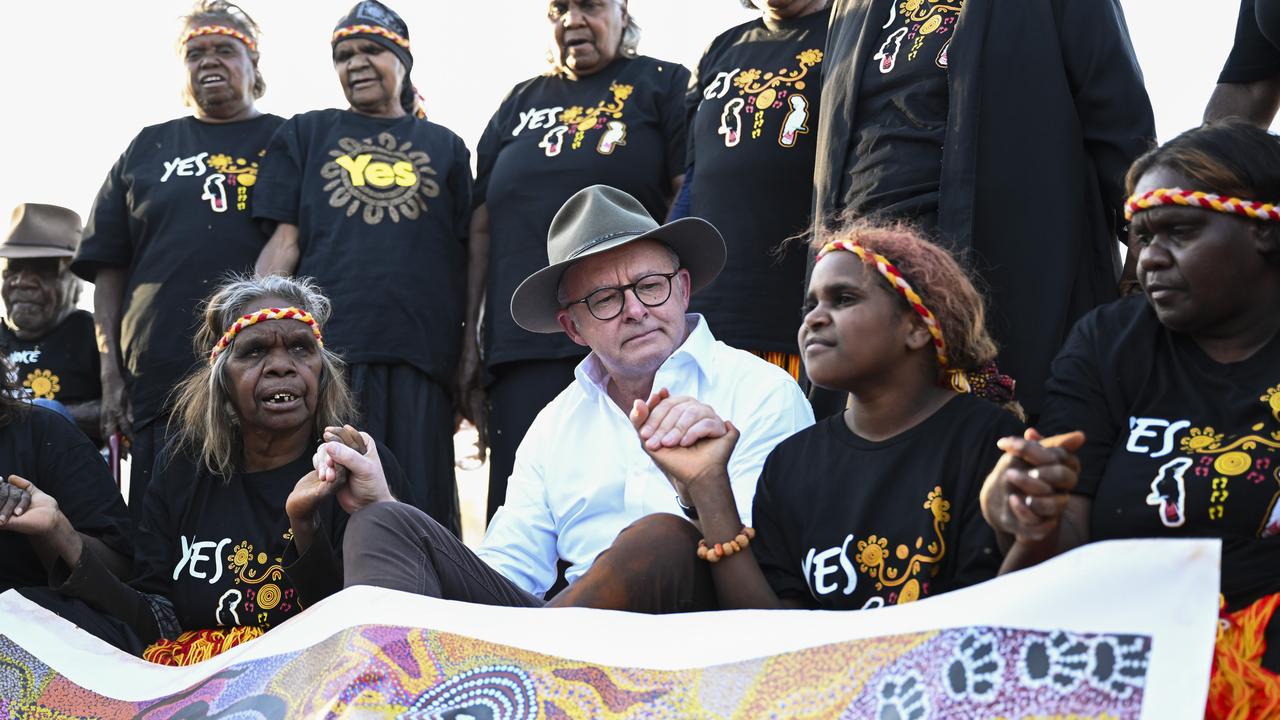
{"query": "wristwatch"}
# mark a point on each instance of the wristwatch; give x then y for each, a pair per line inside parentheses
(689, 512)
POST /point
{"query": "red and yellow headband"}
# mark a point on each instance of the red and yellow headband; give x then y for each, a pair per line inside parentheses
(899, 283)
(1198, 199)
(257, 316)
(350, 30)
(220, 30)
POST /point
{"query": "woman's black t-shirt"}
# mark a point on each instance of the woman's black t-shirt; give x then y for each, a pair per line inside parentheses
(623, 127)
(383, 207)
(217, 547)
(1256, 53)
(1178, 445)
(753, 115)
(843, 523)
(43, 447)
(62, 366)
(175, 212)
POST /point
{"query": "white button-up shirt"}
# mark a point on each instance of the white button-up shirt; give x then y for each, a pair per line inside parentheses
(581, 475)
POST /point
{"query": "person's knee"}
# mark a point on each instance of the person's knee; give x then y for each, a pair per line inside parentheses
(661, 533)
(374, 525)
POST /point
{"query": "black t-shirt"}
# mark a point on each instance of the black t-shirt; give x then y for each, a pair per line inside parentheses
(753, 113)
(62, 365)
(1178, 445)
(41, 446)
(896, 166)
(174, 211)
(844, 523)
(218, 548)
(382, 208)
(623, 127)
(1256, 52)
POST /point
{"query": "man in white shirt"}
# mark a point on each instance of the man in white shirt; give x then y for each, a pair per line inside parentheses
(619, 284)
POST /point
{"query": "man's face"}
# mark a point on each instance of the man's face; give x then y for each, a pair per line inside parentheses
(36, 294)
(640, 338)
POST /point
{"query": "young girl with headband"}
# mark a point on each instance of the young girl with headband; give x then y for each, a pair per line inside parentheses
(877, 505)
(1177, 392)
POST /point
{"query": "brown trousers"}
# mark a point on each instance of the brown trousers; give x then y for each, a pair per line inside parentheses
(652, 566)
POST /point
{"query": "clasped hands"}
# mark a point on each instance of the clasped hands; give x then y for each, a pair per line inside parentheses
(346, 465)
(688, 441)
(1025, 495)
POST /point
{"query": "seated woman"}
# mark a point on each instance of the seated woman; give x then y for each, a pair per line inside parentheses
(56, 497)
(879, 504)
(1177, 392)
(238, 531)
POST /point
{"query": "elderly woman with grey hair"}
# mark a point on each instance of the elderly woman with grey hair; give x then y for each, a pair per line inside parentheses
(602, 114)
(238, 532)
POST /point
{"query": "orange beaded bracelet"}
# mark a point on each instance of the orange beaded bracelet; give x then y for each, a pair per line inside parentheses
(713, 553)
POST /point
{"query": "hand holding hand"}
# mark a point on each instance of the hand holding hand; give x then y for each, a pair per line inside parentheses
(347, 451)
(1026, 493)
(689, 467)
(676, 421)
(25, 509)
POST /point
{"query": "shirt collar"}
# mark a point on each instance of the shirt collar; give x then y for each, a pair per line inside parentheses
(696, 350)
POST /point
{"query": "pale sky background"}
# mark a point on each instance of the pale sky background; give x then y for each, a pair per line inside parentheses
(81, 77)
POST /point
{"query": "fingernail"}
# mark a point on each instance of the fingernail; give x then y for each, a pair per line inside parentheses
(1034, 473)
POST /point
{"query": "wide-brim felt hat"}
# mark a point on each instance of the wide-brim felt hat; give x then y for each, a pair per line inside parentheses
(598, 219)
(41, 231)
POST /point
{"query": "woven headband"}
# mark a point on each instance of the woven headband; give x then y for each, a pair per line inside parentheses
(349, 30)
(987, 382)
(899, 283)
(220, 30)
(1198, 199)
(257, 316)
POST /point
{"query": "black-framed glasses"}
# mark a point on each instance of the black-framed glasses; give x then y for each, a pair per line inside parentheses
(607, 303)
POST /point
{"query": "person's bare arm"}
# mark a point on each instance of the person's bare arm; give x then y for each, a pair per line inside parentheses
(88, 417)
(470, 380)
(1255, 102)
(25, 510)
(692, 446)
(115, 415)
(280, 255)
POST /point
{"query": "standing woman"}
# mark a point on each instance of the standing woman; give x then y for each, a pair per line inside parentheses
(752, 129)
(170, 220)
(602, 114)
(373, 202)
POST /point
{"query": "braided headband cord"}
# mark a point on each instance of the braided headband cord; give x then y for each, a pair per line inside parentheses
(257, 316)
(220, 30)
(899, 283)
(350, 30)
(987, 382)
(1199, 199)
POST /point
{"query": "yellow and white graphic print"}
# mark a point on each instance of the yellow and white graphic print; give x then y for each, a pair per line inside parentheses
(224, 179)
(605, 117)
(379, 178)
(918, 23)
(759, 91)
(1218, 463)
(903, 571)
(42, 384)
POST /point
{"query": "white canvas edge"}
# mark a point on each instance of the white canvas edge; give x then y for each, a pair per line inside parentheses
(1167, 589)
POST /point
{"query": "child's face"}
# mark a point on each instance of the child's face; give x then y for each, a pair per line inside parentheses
(854, 329)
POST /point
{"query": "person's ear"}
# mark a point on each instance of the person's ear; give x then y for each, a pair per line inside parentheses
(918, 335)
(1266, 240)
(570, 327)
(684, 285)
